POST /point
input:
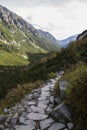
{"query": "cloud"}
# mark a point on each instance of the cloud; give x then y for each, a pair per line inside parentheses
(34, 3)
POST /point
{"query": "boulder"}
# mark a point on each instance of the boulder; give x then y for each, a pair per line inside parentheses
(61, 112)
(63, 87)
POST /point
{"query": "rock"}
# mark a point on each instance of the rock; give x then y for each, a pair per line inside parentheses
(35, 95)
(28, 97)
(24, 114)
(46, 123)
(22, 127)
(48, 109)
(37, 109)
(52, 99)
(61, 112)
(30, 103)
(41, 105)
(42, 98)
(57, 100)
(1, 127)
(13, 121)
(70, 125)
(6, 110)
(63, 86)
(23, 121)
(45, 93)
(46, 88)
(15, 116)
(36, 116)
(2, 118)
(45, 102)
(57, 126)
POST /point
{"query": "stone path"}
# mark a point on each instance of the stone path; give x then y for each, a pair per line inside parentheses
(32, 113)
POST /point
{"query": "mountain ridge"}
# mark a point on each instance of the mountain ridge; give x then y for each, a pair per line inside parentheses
(64, 43)
(34, 37)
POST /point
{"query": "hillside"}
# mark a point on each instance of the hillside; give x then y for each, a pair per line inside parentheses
(22, 36)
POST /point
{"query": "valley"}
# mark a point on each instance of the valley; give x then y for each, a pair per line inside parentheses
(30, 60)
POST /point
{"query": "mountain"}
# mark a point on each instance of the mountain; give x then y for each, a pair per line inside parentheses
(16, 31)
(66, 41)
(82, 35)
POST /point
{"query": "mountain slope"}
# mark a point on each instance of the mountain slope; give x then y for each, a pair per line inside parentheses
(15, 30)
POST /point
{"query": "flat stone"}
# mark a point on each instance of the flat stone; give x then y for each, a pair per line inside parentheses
(45, 93)
(41, 105)
(36, 116)
(13, 121)
(42, 98)
(35, 95)
(46, 123)
(23, 121)
(37, 109)
(45, 102)
(56, 126)
(46, 88)
(70, 125)
(22, 127)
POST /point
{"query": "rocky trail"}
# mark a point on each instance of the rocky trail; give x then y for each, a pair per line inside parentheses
(32, 113)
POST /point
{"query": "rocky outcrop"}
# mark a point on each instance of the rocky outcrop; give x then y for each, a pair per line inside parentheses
(61, 112)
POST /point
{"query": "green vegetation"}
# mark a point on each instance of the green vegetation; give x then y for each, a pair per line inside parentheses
(51, 75)
(17, 93)
(76, 92)
(14, 78)
(12, 59)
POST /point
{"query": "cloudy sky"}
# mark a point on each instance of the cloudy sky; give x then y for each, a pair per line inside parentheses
(62, 18)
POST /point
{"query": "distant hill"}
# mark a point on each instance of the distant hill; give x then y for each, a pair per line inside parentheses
(68, 40)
